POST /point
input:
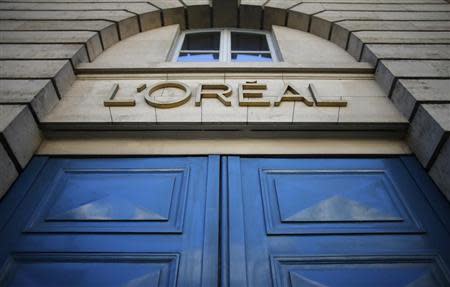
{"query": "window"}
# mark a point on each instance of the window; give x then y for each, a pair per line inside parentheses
(225, 45)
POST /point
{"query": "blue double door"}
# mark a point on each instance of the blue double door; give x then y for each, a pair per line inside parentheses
(224, 221)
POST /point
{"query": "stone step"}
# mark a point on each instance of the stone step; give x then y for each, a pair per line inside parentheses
(340, 32)
(59, 71)
(407, 95)
(429, 129)
(39, 95)
(359, 39)
(90, 39)
(321, 23)
(108, 30)
(76, 53)
(127, 22)
(372, 53)
(389, 70)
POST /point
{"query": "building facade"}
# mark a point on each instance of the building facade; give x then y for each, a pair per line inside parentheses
(224, 143)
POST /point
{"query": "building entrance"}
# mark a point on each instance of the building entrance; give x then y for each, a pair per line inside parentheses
(224, 221)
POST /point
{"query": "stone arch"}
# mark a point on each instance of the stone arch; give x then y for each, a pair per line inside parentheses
(416, 77)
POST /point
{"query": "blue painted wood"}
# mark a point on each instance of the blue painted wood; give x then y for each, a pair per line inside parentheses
(114, 222)
(281, 222)
(18, 190)
(332, 222)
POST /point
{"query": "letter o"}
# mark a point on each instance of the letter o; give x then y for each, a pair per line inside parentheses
(152, 101)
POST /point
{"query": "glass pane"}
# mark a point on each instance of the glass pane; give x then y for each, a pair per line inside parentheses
(242, 57)
(248, 42)
(198, 57)
(202, 41)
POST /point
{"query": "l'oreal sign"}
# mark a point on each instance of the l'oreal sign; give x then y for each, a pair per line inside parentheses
(250, 93)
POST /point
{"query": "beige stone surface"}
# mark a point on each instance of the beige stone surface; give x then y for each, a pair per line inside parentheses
(83, 104)
(39, 94)
(241, 146)
(409, 94)
(20, 132)
(8, 172)
(440, 170)
(60, 71)
(92, 39)
(429, 127)
(76, 53)
(302, 48)
(370, 110)
(141, 50)
(141, 112)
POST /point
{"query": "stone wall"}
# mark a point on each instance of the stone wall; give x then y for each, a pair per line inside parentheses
(408, 41)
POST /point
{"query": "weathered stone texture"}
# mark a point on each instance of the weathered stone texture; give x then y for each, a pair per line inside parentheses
(8, 172)
(20, 132)
(440, 171)
(429, 126)
(60, 72)
(409, 94)
(39, 94)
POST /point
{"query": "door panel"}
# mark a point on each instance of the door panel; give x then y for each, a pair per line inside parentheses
(330, 222)
(115, 222)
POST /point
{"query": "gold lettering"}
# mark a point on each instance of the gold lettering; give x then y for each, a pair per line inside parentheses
(295, 96)
(158, 103)
(319, 103)
(111, 102)
(210, 91)
(252, 90)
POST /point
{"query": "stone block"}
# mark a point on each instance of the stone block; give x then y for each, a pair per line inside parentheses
(273, 16)
(320, 27)
(139, 51)
(297, 20)
(91, 39)
(199, 16)
(128, 27)
(388, 70)
(40, 95)
(76, 53)
(250, 16)
(8, 172)
(409, 94)
(291, 41)
(428, 129)
(340, 32)
(300, 15)
(19, 131)
(60, 72)
(127, 22)
(225, 13)
(174, 16)
(358, 39)
(214, 111)
(440, 170)
(141, 113)
(374, 52)
(371, 110)
(150, 20)
(271, 114)
(108, 30)
(83, 104)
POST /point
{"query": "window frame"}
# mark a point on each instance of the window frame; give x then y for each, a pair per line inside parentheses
(225, 45)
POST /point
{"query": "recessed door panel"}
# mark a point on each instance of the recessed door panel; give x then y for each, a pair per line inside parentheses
(330, 222)
(114, 222)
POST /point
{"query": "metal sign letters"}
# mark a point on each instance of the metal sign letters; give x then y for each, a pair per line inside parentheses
(250, 93)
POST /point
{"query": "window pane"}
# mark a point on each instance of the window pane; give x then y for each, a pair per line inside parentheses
(248, 42)
(242, 57)
(198, 57)
(202, 41)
